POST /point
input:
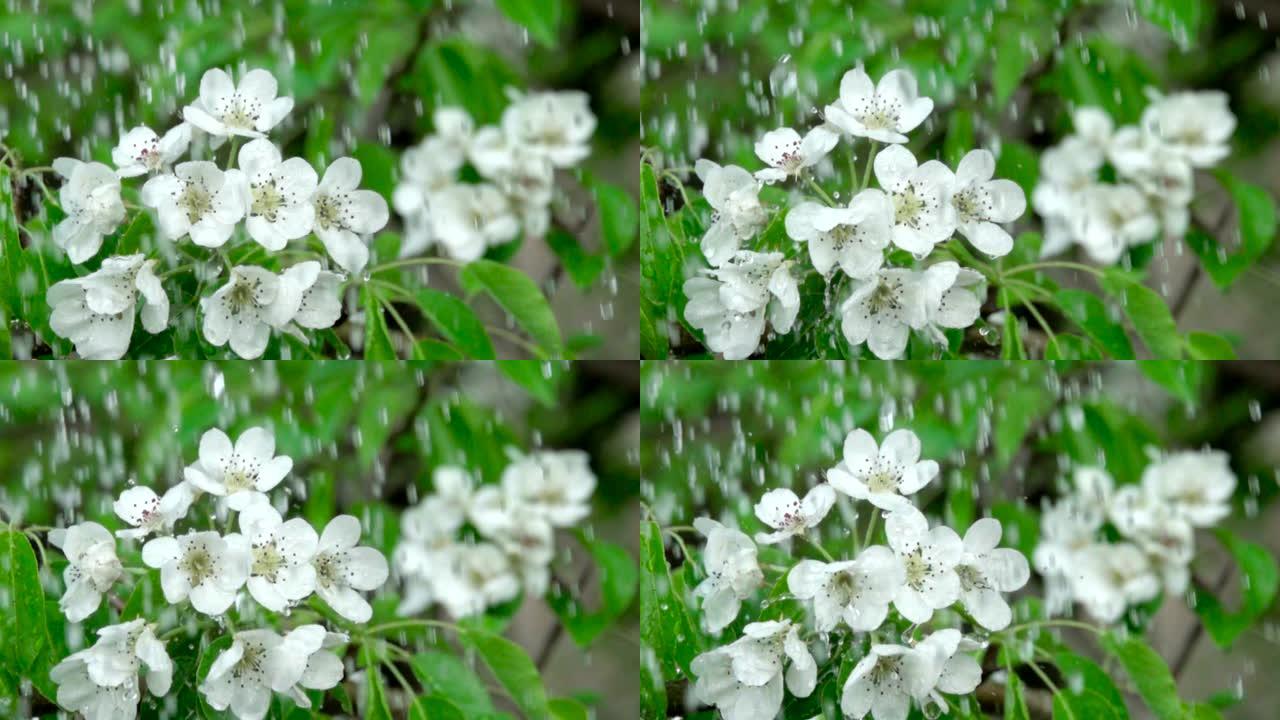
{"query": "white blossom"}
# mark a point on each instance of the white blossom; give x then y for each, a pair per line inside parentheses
(343, 569)
(469, 219)
(241, 677)
(197, 200)
(958, 672)
(96, 311)
(255, 300)
(1112, 219)
(853, 237)
(732, 302)
(919, 193)
(321, 668)
(953, 297)
(91, 200)
(150, 513)
(343, 214)
(734, 195)
(92, 567)
(733, 573)
(1067, 528)
(101, 682)
(480, 576)
(1199, 484)
(882, 475)
(929, 559)
(788, 515)
(745, 679)
(985, 571)
(1195, 126)
(242, 473)
(882, 309)
(883, 111)
(201, 566)
(249, 110)
(141, 151)
(886, 679)
(557, 484)
(787, 154)
(557, 125)
(280, 573)
(275, 193)
(856, 591)
(980, 204)
(1109, 577)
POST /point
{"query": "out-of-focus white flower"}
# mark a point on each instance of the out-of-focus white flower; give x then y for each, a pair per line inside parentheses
(275, 193)
(142, 151)
(980, 204)
(788, 515)
(280, 573)
(1196, 126)
(853, 237)
(557, 125)
(733, 573)
(1114, 218)
(1067, 528)
(201, 566)
(919, 194)
(242, 473)
(557, 484)
(985, 571)
(1109, 577)
(856, 591)
(343, 214)
(343, 569)
(929, 559)
(787, 154)
(196, 200)
(734, 195)
(882, 309)
(883, 111)
(481, 576)
(882, 475)
(92, 567)
(96, 311)
(1198, 483)
(91, 200)
(147, 512)
(469, 219)
(1157, 527)
(249, 110)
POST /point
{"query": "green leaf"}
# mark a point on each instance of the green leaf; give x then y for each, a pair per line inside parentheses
(434, 708)
(583, 267)
(377, 167)
(619, 218)
(1180, 18)
(1089, 693)
(207, 657)
(389, 43)
(1182, 379)
(1088, 312)
(959, 137)
(661, 267)
(375, 705)
(665, 623)
(444, 674)
(568, 709)
(1256, 219)
(1149, 315)
(12, 258)
(1260, 581)
(1015, 704)
(1012, 59)
(1019, 163)
(1207, 346)
(377, 339)
(21, 576)
(539, 378)
(456, 321)
(1149, 673)
(514, 670)
(520, 297)
(540, 17)
(1021, 525)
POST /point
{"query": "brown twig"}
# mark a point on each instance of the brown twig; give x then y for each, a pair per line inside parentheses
(1197, 628)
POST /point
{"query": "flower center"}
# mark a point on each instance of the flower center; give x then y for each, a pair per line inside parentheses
(971, 205)
(328, 211)
(882, 480)
(198, 564)
(880, 114)
(844, 586)
(328, 569)
(886, 669)
(240, 113)
(884, 297)
(841, 235)
(907, 206)
(240, 297)
(917, 568)
(971, 578)
(196, 201)
(251, 662)
(267, 560)
(267, 199)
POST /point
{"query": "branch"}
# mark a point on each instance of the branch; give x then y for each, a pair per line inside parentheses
(1197, 628)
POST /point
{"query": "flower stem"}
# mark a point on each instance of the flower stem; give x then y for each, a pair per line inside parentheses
(231, 156)
(821, 550)
(1054, 264)
(821, 193)
(1054, 623)
(866, 172)
(414, 261)
(420, 622)
(871, 528)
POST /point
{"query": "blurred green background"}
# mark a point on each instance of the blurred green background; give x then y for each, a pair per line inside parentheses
(717, 436)
(364, 438)
(1004, 75)
(366, 77)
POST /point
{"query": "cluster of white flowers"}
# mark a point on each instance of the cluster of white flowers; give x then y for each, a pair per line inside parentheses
(513, 542)
(1156, 521)
(280, 562)
(1153, 162)
(920, 572)
(278, 200)
(516, 160)
(916, 208)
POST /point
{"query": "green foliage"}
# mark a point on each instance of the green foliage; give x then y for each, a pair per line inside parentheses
(1149, 674)
(520, 297)
(1259, 581)
(513, 669)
